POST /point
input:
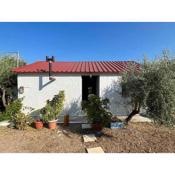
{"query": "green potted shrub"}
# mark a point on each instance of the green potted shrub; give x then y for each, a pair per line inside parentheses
(49, 116)
(52, 109)
(97, 111)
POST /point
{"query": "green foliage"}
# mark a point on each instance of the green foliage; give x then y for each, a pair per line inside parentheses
(97, 110)
(160, 100)
(153, 88)
(8, 80)
(57, 103)
(133, 86)
(6, 74)
(48, 113)
(53, 107)
(11, 110)
(21, 121)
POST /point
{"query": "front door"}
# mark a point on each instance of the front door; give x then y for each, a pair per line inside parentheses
(90, 85)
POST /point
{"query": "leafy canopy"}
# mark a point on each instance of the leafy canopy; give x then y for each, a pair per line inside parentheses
(153, 88)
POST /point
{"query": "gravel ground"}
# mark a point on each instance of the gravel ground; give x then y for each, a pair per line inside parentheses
(136, 138)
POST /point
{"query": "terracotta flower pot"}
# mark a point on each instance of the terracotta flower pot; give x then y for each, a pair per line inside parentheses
(97, 127)
(66, 120)
(52, 124)
(38, 124)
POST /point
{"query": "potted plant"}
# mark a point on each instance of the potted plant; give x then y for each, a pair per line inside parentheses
(38, 124)
(48, 116)
(52, 110)
(97, 111)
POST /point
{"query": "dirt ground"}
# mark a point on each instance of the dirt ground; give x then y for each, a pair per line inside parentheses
(136, 138)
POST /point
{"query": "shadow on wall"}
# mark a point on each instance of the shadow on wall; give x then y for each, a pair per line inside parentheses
(35, 114)
(118, 104)
(73, 108)
(41, 84)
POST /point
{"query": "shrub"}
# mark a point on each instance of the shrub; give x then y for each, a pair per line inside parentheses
(57, 103)
(97, 110)
(53, 107)
(48, 112)
(11, 110)
(21, 121)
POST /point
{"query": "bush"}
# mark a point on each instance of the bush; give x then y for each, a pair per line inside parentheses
(53, 107)
(160, 100)
(97, 110)
(21, 121)
(12, 109)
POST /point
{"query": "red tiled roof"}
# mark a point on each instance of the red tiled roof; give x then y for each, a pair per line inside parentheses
(76, 67)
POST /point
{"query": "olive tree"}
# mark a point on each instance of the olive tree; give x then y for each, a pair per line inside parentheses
(133, 86)
(153, 89)
(160, 99)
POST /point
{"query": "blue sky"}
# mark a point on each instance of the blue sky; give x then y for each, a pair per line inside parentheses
(87, 41)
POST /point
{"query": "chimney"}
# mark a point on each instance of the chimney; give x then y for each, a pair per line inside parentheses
(50, 60)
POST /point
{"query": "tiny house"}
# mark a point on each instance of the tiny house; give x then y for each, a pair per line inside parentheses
(40, 81)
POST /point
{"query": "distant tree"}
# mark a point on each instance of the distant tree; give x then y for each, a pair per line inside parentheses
(152, 88)
(8, 80)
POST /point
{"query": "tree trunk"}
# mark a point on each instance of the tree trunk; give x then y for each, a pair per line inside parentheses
(135, 111)
(3, 98)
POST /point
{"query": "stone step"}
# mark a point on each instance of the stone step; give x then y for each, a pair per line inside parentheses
(89, 138)
(95, 150)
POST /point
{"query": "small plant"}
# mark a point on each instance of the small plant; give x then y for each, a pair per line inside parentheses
(48, 112)
(97, 110)
(21, 121)
(53, 107)
(57, 103)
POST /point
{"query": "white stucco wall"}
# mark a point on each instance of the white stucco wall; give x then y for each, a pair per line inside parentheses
(38, 89)
(110, 88)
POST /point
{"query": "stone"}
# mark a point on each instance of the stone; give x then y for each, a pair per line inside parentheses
(89, 138)
(95, 150)
(4, 123)
(138, 118)
(59, 132)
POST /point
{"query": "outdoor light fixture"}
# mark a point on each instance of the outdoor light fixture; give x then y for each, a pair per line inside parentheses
(50, 61)
(21, 89)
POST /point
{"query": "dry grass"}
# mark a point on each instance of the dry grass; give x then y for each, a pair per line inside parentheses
(137, 137)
